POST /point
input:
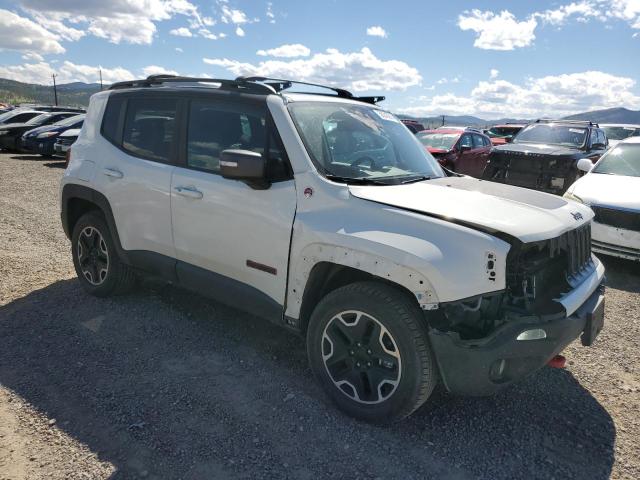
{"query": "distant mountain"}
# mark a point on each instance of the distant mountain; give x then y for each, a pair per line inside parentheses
(74, 94)
(609, 115)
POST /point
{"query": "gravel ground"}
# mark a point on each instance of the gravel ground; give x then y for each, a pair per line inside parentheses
(163, 384)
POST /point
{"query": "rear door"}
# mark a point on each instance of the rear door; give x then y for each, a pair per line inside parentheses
(481, 148)
(232, 240)
(135, 174)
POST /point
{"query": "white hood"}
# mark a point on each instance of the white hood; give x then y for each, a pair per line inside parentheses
(525, 214)
(608, 190)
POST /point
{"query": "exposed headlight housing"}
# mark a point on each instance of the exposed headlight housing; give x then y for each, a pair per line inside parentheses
(571, 196)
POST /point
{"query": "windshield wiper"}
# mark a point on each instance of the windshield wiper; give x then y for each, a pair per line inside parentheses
(418, 178)
(356, 180)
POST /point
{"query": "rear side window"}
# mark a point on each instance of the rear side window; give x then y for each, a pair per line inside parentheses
(478, 141)
(150, 128)
(23, 117)
(111, 119)
(214, 127)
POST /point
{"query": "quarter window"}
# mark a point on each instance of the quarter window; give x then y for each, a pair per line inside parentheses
(150, 128)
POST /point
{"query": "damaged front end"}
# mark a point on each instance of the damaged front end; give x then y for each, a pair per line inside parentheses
(490, 340)
(540, 171)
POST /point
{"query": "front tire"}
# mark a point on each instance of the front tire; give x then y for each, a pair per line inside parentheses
(367, 345)
(95, 258)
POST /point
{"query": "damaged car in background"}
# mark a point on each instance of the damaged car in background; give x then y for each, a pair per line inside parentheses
(544, 155)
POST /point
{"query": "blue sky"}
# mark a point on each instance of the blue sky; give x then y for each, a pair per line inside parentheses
(490, 59)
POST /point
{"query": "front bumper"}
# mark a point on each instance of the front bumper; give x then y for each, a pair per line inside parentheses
(33, 145)
(614, 241)
(482, 367)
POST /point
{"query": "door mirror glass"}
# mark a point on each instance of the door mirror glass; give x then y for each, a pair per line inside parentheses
(243, 165)
(598, 145)
(465, 148)
(585, 165)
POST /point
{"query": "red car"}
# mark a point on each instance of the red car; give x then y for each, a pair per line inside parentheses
(501, 134)
(462, 151)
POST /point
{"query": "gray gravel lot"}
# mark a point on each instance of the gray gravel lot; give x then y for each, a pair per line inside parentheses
(163, 384)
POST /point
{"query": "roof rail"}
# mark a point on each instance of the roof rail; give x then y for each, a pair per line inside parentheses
(162, 79)
(258, 85)
(279, 84)
(572, 122)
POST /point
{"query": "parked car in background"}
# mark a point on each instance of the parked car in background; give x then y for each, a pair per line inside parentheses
(325, 215)
(18, 115)
(413, 125)
(619, 131)
(41, 140)
(64, 141)
(11, 134)
(501, 134)
(461, 151)
(52, 108)
(611, 188)
(544, 155)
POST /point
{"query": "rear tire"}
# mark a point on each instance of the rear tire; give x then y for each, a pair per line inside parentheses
(368, 347)
(95, 258)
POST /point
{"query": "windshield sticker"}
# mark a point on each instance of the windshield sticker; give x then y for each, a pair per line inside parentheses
(576, 130)
(386, 116)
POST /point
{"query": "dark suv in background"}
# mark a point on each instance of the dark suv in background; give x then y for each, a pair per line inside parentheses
(544, 155)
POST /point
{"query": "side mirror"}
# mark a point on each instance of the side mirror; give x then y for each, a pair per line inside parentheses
(585, 165)
(244, 165)
(464, 148)
(598, 145)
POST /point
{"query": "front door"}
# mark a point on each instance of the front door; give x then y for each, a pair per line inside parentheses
(231, 240)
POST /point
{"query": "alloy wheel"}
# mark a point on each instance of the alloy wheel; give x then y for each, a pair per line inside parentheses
(361, 357)
(93, 256)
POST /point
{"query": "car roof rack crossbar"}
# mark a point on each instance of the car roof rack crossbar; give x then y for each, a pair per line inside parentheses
(279, 85)
(157, 80)
(572, 122)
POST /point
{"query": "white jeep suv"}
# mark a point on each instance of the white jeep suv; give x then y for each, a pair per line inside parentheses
(321, 212)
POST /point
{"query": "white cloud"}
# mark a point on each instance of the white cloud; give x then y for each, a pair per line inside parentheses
(157, 70)
(582, 10)
(494, 73)
(377, 31)
(498, 31)
(181, 32)
(206, 33)
(286, 51)
(41, 72)
(129, 21)
(239, 31)
(545, 96)
(24, 35)
(33, 56)
(270, 15)
(230, 15)
(358, 71)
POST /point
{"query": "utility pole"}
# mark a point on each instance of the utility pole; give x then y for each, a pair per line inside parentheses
(443, 120)
(55, 89)
(101, 79)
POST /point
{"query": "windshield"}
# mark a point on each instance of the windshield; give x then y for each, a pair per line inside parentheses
(503, 132)
(67, 122)
(552, 134)
(623, 159)
(444, 141)
(361, 142)
(620, 133)
(39, 119)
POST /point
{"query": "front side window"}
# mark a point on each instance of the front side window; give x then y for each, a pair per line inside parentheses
(623, 159)
(466, 141)
(214, 127)
(150, 128)
(549, 133)
(361, 143)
